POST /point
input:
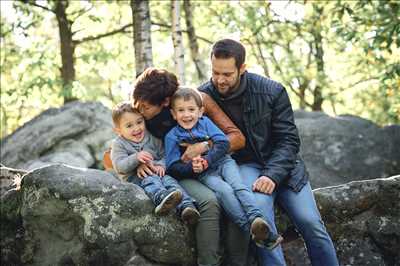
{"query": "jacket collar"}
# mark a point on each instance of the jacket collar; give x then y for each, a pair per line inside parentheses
(138, 145)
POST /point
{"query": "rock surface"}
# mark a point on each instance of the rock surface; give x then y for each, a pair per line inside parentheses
(87, 217)
(341, 149)
(363, 220)
(76, 134)
(78, 216)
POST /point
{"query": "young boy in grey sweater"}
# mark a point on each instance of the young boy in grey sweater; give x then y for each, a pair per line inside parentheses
(135, 146)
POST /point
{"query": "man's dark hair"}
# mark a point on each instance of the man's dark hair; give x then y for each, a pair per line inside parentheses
(228, 48)
(186, 94)
(154, 86)
(121, 108)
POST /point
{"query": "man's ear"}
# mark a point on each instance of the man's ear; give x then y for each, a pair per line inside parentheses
(117, 130)
(166, 102)
(242, 68)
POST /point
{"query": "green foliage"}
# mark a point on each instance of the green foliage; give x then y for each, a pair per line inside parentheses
(373, 27)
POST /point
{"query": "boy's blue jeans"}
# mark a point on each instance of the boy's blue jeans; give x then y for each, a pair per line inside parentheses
(156, 187)
(235, 198)
(303, 212)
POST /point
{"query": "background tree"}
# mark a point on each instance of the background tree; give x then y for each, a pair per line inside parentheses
(67, 43)
(179, 53)
(142, 35)
(193, 43)
(372, 30)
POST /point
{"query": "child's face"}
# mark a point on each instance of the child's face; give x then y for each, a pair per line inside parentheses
(186, 113)
(131, 127)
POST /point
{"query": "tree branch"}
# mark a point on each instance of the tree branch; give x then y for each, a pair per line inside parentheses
(37, 5)
(185, 31)
(96, 37)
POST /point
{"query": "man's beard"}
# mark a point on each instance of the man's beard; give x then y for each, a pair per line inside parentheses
(226, 91)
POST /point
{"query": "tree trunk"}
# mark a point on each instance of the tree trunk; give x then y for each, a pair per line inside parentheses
(302, 94)
(142, 35)
(260, 58)
(319, 58)
(194, 46)
(177, 40)
(67, 50)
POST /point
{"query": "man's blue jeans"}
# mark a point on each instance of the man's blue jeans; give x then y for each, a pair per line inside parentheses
(303, 212)
(235, 198)
(155, 187)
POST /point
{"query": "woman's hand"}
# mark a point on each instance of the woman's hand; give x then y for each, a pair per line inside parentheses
(160, 170)
(193, 150)
(144, 170)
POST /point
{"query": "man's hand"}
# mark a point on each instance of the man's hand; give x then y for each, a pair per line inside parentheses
(144, 157)
(198, 165)
(159, 170)
(144, 170)
(264, 184)
(192, 151)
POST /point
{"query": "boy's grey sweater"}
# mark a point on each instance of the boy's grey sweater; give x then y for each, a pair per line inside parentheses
(124, 154)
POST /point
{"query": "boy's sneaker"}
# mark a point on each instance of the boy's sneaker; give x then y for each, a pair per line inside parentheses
(270, 243)
(262, 236)
(190, 215)
(259, 229)
(170, 201)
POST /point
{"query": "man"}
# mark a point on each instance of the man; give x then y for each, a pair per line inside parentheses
(153, 91)
(269, 162)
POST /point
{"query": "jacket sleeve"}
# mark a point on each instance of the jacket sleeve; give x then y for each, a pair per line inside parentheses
(220, 145)
(285, 140)
(174, 166)
(123, 162)
(181, 170)
(214, 112)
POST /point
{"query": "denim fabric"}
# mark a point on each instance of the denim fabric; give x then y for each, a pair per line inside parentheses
(156, 188)
(303, 211)
(235, 198)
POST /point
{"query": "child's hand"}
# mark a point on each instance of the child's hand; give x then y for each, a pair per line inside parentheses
(160, 170)
(144, 157)
(199, 164)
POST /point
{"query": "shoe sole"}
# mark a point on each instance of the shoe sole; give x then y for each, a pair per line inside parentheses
(277, 242)
(168, 203)
(259, 229)
(190, 216)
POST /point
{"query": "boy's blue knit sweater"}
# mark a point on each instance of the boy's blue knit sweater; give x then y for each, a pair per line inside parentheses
(204, 130)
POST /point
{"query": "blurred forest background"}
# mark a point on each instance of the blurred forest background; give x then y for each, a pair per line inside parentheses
(341, 57)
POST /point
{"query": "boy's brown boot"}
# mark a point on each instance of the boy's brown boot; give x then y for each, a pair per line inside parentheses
(190, 215)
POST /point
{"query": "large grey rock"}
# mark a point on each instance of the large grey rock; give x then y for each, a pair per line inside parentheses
(363, 220)
(363, 217)
(79, 216)
(11, 230)
(346, 148)
(87, 217)
(76, 134)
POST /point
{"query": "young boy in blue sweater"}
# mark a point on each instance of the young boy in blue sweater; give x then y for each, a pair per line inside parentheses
(135, 146)
(216, 169)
